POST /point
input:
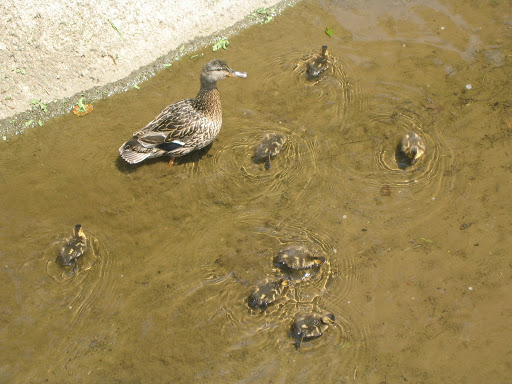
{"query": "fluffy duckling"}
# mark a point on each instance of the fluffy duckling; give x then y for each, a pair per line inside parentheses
(319, 64)
(413, 146)
(75, 248)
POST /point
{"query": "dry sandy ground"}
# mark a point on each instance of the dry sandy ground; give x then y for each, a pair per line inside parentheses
(54, 49)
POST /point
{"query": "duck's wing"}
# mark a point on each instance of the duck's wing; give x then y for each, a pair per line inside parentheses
(176, 123)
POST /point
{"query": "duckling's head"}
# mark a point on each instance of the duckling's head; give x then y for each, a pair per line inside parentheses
(216, 70)
(328, 318)
(413, 146)
(78, 231)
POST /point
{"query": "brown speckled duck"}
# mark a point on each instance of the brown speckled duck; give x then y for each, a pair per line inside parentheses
(184, 126)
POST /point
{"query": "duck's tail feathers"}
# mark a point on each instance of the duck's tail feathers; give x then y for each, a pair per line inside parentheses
(129, 153)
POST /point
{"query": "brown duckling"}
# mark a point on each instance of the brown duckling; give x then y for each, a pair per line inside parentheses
(413, 146)
(75, 248)
(267, 294)
(310, 326)
(297, 257)
(270, 145)
(319, 64)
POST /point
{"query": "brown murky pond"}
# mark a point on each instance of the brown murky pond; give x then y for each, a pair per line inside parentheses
(418, 268)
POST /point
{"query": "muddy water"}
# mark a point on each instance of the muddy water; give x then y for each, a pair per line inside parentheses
(418, 268)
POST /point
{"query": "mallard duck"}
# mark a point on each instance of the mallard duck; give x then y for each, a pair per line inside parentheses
(266, 294)
(318, 64)
(412, 146)
(297, 257)
(75, 247)
(310, 326)
(269, 146)
(184, 126)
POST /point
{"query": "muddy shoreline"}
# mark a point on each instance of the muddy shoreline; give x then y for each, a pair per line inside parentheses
(53, 53)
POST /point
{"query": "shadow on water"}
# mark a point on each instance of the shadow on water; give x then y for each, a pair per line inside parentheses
(416, 255)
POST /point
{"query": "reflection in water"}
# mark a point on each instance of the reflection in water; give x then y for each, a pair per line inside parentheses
(175, 252)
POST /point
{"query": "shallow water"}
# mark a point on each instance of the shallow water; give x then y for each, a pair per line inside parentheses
(418, 270)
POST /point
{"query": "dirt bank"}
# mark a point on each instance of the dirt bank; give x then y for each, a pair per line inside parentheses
(55, 49)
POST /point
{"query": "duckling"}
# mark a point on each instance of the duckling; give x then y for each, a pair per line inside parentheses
(310, 326)
(318, 64)
(268, 147)
(266, 294)
(75, 248)
(297, 257)
(412, 146)
(184, 126)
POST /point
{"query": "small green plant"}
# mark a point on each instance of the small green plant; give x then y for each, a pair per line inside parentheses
(81, 109)
(266, 15)
(39, 104)
(167, 65)
(115, 28)
(21, 71)
(29, 123)
(136, 87)
(81, 105)
(221, 43)
(329, 32)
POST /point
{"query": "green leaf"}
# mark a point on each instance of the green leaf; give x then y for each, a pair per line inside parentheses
(29, 123)
(329, 32)
(167, 65)
(222, 43)
(136, 87)
(80, 103)
(41, 105)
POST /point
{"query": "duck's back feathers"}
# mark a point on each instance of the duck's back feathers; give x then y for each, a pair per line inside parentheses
(174, 131)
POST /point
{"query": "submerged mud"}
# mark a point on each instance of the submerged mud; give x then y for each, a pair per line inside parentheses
(417, 268)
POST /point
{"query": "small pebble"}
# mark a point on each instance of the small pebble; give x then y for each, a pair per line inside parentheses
(468, 86)
(470, 288)
(335, 250)
(442, 28)
(344, 216)
(70, 307)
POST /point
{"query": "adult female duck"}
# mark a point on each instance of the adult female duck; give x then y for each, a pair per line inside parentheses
(184, 126)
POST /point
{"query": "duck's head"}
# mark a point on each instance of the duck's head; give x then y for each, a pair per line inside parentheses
(216, 70)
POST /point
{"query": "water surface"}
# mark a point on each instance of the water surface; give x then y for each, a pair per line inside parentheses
(417, 272)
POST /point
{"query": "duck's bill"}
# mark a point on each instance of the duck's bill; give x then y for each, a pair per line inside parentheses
(237, 74)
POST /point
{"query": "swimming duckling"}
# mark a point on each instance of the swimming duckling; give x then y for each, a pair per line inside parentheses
(268, 147)
(412, 146)
(310, 326)
(318, 64)
(75, 248)
(297, 257)
(267, 294)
